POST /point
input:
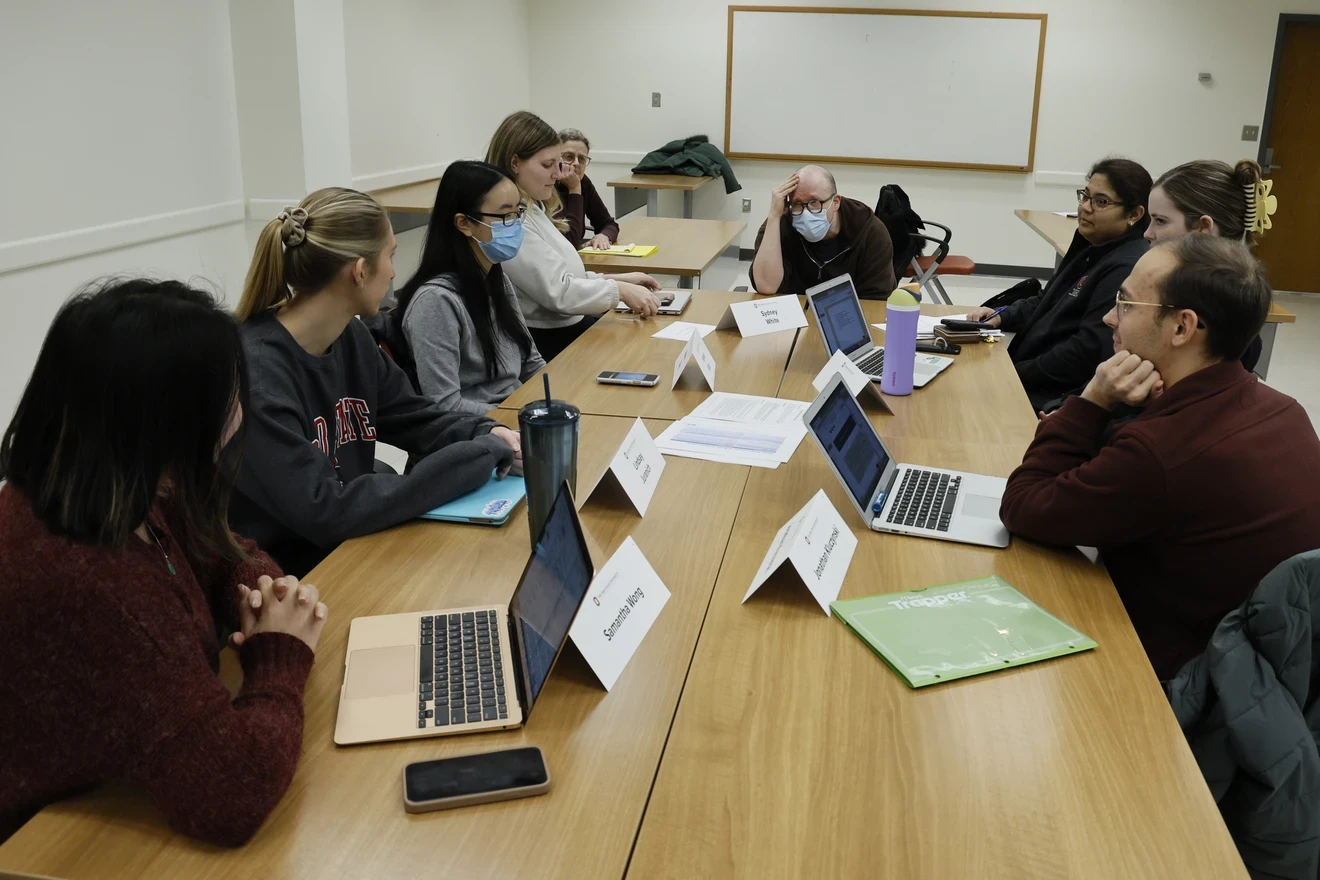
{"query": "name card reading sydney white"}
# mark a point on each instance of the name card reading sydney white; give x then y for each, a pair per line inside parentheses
(818, 545)
(756, 317)
(695, 348)
(636, 467)
(622, 604)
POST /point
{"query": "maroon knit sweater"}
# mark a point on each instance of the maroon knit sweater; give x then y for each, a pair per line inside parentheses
(109, 671)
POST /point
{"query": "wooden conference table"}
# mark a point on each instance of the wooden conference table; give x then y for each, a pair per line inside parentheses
(623, 342)
(1059, 231)
(654, 183)
(419, 197)
(686, 248)
(410, 198)
(756, 740)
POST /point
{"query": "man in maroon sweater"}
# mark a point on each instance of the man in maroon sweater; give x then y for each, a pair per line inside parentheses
(1211, 487)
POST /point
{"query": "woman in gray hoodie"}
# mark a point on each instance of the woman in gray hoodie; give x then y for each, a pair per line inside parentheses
(458, 331)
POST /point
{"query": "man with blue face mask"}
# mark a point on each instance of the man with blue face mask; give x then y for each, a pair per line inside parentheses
(821, 235)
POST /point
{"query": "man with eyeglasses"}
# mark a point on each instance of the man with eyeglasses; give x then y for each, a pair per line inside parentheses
(1215, 483)
(817, 234)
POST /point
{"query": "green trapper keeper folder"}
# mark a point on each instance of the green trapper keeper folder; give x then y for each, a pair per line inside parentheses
(943, 633)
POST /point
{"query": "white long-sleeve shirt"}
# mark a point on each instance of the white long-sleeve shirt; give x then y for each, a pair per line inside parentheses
(554, 288)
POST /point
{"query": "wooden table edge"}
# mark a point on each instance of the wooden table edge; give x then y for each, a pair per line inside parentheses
(630, 183)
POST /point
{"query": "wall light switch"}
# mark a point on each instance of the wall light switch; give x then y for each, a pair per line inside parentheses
(655, 99)
(1250, 132)
(747, 206)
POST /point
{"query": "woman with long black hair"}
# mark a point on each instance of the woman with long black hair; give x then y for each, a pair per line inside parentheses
(119, 574)
(460, 335)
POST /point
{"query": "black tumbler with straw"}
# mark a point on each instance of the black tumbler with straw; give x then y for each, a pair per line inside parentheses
(549, 431)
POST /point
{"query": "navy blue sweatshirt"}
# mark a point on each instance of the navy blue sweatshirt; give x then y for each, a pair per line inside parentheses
(308, 479)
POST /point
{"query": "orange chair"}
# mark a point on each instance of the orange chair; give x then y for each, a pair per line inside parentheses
(926, 270)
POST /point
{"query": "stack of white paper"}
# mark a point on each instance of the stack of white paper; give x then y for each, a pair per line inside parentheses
(738, 429)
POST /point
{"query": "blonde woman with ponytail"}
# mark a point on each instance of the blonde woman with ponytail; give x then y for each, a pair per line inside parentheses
(1209, 197)
(559, 298)
(322, 393)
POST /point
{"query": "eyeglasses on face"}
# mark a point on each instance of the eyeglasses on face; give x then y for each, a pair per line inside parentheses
(571, 158)
(508, 219)
(815, 206)
(1099, 203)
(1120, 304)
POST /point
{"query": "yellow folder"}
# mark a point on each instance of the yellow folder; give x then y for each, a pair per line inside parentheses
(623, 250)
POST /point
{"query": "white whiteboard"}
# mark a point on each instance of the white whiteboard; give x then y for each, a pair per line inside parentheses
(888, 87)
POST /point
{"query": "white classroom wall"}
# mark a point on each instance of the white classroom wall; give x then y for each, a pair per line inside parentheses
(119, 152)
(269, 120)
(123, 123)
(1119, 77)
(428, 82)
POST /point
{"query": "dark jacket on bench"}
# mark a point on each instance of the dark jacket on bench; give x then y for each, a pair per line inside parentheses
(1248, 707)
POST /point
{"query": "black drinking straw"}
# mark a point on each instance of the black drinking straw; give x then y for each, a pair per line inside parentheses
(546, 378)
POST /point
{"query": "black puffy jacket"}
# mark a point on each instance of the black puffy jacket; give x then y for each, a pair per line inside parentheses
(1248, 706)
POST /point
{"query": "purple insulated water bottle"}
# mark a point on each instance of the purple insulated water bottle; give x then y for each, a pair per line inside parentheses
(901, 313)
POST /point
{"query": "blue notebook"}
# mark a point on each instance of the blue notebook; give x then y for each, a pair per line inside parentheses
(491, 505)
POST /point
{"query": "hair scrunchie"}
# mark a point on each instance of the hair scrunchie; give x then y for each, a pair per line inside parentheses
(293, 232)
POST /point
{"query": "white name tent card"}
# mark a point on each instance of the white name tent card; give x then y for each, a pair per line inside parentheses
(681, 330)
(858, 383)
(756, 317)
(695, 350)
(635, 468)
(621, 605)
(818, 545)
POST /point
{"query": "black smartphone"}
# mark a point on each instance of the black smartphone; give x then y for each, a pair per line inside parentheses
(474, 779)
(964, 325)
(614, 377)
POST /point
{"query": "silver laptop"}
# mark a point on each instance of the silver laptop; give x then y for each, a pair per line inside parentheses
(843, 326)
(672, 302)
(473, 669)
(900, 498)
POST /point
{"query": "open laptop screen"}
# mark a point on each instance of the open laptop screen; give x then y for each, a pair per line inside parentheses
(841, 319)
(852, 445)
(549, 594)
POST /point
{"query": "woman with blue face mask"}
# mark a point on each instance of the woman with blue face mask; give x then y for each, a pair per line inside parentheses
(460, 335)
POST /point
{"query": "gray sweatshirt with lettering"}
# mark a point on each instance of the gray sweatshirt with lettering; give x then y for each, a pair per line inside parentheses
(308, 479)
(451, 368)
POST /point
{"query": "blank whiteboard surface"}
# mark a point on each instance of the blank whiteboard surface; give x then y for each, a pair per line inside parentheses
(940, 89)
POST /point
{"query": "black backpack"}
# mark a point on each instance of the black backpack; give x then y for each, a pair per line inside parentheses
(895, 211)
(1019, 291)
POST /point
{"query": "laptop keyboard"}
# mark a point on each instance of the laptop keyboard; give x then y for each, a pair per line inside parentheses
(874, 363)
(461, 674)
(925, 500)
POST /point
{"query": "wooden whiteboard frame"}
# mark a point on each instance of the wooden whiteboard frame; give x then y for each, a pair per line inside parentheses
(1042, 17)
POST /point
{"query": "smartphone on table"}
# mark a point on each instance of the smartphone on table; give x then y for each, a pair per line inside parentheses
(474, 779)
(613, 377)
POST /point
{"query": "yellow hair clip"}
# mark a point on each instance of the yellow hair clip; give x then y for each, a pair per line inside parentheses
(1260, 205)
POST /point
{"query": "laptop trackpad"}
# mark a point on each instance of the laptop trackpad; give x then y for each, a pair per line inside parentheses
(381, 672)
(982, 506)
